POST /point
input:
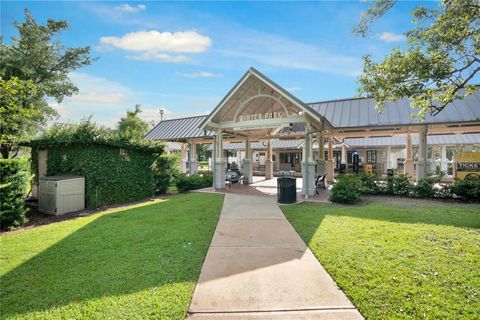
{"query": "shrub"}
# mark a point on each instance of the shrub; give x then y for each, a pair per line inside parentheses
(186, 183)
(347, 189)
(14, 180)
(425, 187)
(401, 185)
(369, 183)
(444, 192)
(164, 170)
(468, 189)
(390, 177)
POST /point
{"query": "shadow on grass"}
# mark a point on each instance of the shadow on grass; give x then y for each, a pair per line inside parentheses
(116, 254)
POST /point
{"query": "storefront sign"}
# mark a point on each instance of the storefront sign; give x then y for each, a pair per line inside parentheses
(467, 164)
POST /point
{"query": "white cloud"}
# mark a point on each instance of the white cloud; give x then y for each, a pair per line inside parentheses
(107, 101)
(181, 41)
(391, 37)
(201, 74)
(294, 89)
(151, 115)
(130, 9)
(270, 49)
(101, 98)
(60, 108)
(108, 13)
(97, 90)
(158, 46)
(160, 56)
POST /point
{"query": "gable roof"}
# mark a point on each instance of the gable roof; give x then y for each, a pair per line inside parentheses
(254, 72)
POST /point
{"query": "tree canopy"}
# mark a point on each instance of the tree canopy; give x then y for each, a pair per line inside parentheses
(33, 68)
(441, 57)
(131, 127)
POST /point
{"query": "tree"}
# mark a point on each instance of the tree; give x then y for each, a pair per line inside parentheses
(132, 127)
(442, 56)
(203, 152)
(35, 60)
(18, 113)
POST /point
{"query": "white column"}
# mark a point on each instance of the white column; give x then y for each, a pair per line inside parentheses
(444, 160)
(421, 164)
(344, 154)
(308, 165)
(389, 158)
(220, 162)
(183, 158)
(247, 162)
(193, 163)
(268, 162)
(321, 155)
(330, 164)
(408, 168)
(433, 160)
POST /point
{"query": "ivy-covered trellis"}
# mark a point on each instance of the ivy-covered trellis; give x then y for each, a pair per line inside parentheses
(115, 170)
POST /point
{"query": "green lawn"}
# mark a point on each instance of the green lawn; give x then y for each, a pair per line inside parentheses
(140, 262)
(398, 262)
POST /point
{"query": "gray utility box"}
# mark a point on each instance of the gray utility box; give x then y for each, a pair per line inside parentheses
(61, 194)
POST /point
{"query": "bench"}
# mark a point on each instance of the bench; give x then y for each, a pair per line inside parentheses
(320, 183)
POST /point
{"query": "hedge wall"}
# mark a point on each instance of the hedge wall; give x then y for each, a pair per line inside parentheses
(14, 180)
(112, 174)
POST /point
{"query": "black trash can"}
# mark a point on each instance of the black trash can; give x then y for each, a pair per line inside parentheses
(287, 189)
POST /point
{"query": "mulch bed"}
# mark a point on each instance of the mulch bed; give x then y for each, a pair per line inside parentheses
(36, 218)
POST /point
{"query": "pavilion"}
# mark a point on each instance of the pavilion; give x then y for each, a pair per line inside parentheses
(257, 110)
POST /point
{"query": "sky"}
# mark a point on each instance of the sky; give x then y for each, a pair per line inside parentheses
(184, 57)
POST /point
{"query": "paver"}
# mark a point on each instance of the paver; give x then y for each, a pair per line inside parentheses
(257, 267)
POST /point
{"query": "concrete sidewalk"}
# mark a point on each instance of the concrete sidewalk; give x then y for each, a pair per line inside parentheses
(257, 267)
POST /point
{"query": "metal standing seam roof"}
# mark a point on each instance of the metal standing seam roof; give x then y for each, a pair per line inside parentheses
(464, 139)
(178, 129)
(347, 113)
(258, 145)
(472, 138)
(361, 112)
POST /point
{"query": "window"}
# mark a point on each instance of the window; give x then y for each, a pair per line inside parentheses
(292, 158)
(371, 156)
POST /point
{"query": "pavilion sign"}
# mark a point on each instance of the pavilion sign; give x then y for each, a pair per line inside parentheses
(261, 116)
(260, 121)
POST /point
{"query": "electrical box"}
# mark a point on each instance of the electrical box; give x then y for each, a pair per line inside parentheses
(61, 194)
